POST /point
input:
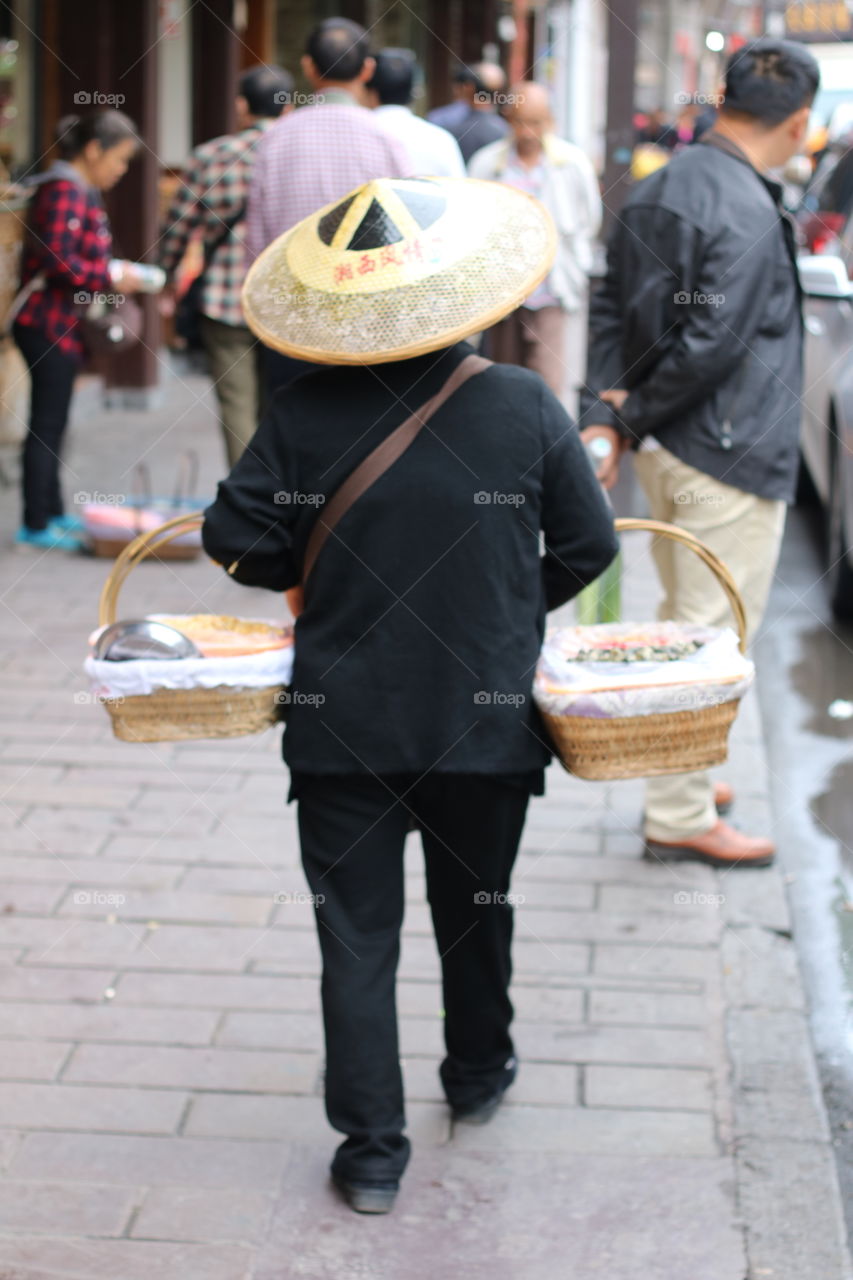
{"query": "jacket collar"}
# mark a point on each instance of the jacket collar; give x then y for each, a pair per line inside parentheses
(718, 140)
(554, 151)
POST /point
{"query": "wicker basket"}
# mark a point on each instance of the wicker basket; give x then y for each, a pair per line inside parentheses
(648, 746)
(173, 715)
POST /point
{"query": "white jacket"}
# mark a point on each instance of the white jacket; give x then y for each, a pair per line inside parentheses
(570, 194)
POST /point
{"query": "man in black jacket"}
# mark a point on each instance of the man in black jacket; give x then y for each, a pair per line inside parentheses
(695, 361)
(422, 619)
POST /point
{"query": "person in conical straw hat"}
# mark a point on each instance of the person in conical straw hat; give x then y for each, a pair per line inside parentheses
(408, 489)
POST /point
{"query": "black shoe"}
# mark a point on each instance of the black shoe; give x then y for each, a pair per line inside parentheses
(481, 1112)
(367, 1197)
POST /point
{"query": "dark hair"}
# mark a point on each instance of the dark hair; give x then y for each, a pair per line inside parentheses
(267, 90)
(109, 127)
(394, 77)
(464, 75)
(338, 48)
(771, 79)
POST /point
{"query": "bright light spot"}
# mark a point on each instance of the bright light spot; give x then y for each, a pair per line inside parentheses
(715, 41)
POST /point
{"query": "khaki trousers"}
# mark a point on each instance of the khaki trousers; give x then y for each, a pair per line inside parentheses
(746, 533)
(234, 355)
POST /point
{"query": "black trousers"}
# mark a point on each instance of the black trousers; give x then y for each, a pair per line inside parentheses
(52, 374)
(352, 831)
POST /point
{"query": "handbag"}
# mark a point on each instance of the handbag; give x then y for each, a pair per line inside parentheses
(188, 310)
(110, 324)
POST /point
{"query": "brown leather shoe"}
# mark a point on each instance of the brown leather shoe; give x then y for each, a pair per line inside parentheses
(722, 846)
(724, 797)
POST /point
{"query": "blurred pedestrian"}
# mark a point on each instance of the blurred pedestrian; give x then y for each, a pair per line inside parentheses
(211, 203)
(547, 332)
(67, 252)
(431, 149)
(695, 360)
(481, 123)
(421, 601)
(319, 153)
(463, 85)
(658, 130)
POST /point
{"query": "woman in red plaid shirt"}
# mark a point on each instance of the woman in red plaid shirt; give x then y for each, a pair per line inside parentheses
(67, 252)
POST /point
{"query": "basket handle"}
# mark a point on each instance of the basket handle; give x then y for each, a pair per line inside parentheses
(146, 544)
(713, 561)
(139, 549)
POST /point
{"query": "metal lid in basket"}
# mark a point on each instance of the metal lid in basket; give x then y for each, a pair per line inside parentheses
(142, 638)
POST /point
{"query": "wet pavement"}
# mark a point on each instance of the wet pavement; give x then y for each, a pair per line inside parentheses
(805, 662)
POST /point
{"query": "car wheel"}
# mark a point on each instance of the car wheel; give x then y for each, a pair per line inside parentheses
(840, 569)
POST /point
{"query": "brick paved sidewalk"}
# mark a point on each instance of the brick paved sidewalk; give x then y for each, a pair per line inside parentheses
(160, 1108)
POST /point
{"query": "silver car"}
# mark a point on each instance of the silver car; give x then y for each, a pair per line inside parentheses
(827, 431)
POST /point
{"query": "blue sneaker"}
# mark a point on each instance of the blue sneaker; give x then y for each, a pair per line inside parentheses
(72, 524)
(48, 539)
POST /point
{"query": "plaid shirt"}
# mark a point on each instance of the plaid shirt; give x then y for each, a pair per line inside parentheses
(68, 241)
(215, 187)
(313, 156)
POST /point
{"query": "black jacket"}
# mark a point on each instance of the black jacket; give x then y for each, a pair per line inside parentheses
(425, 610)
(699, 318)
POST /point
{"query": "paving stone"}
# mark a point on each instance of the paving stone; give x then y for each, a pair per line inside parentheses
(255, 1071)
(647, 1087)
(760, 969)
(658, 960)
(72, 985)
(228, 1115)
(54, 1106)
(184, 1213)
(167, 904)
(53, 1209)
(129, 1259)
(107, 1021)
(81, 872)
(525, 1215)
(639, 1045)
(206, 849)
(228, 991)
(87, 797)
(126, 1160)
(648, 1007)
(31, 1059)
(575, 1131)
(777, 1188)
(673, 899)
(34, 899)
(87, 941)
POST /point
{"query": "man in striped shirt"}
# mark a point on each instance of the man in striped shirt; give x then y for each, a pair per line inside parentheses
(321, 152)
(210, 203)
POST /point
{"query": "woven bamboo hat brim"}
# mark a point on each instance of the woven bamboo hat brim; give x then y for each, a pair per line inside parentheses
(397, 268)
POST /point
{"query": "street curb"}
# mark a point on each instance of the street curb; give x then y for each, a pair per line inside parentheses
(788, 1191)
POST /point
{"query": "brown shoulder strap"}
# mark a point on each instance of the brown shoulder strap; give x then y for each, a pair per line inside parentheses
(381, 458)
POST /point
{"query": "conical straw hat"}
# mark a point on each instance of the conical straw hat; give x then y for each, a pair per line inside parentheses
(397, 268)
